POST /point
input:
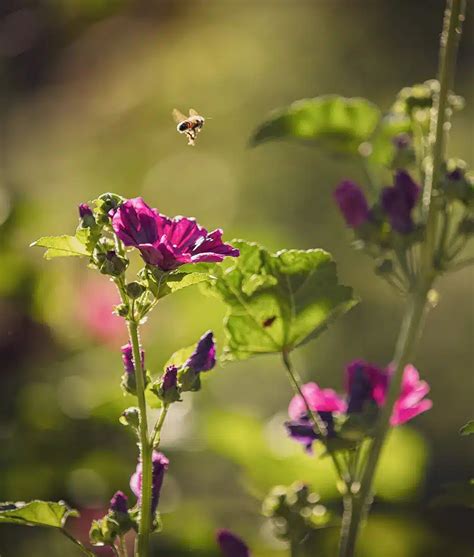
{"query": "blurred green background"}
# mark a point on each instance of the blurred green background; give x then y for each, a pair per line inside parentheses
(87, 90)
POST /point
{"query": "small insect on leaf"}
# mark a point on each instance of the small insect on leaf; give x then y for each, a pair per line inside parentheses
(269, 322)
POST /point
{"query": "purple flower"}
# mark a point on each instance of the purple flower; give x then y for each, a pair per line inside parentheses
(204, 356)
(160, 465)
(368, 382)
(127, 358)
(119, 503)
(231, 545)
(170, 378)
(323, 401)
(365, 383)
(164, 242)
(398, 202)
(85, 210)
(352, 203)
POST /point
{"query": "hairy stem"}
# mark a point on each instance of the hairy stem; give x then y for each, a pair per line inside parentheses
(318, 423)
(77, 543)
(156, 435)
(141, 546)
(412, 322)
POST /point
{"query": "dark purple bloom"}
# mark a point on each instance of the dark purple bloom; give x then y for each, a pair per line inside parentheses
(127, 358)
(85, 210)
(160, 465)
(231, 545)
(164, 242)
(204, 356)
(170, 378)
(304, 431)
(352, 203)
(365, 383)
(399, 201)
(119, 503)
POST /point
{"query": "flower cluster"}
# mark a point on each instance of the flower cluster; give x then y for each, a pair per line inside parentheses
(395, 206)
(366, 386)
(186, 377)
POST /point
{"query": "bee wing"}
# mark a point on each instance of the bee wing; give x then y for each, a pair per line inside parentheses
(193, 112)
(178, 116)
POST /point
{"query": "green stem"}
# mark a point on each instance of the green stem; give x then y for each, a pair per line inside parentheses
(316, 418)
(452, 28)
(156, 436)
(409, 334)
(412, 323)
(295, 547)
(77, 543)
(122, 547)
(141, 546)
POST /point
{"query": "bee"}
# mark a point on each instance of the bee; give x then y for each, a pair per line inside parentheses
(190, 125)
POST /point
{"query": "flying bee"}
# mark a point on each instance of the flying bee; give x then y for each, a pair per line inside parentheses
(190, 125)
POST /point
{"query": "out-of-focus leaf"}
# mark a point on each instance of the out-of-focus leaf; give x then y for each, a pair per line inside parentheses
(63, 246)
(459, 494)
(467, 429)
(268, 457)
(383, 148)
(278, 301)
(180, 356)
(36, 513)
(337, 123)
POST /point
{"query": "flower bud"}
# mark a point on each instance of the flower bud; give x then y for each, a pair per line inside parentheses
(112, 264)
(130, 417)
(399, 201)
(119, 503)
(352, 203)
(167, 389)
(231, 545)
(135, 290)
(204, 356)
(160, 466)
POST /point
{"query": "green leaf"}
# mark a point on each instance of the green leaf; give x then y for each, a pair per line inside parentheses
(180, 356)
(383, 148)
(64, 246)
(36, 513)
(277, 301)
(467, 429)
(168, 283)
(337, 123)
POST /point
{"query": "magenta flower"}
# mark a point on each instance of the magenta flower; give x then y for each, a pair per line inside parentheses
(399, 201)
(411, 401)
(352, 203)
(160, 465)
(323, 401)
(164, 242)
(204, 356)
(231, 545)
(319, 400)
(368, 382)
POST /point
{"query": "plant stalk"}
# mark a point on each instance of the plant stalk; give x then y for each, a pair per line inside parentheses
(410, 331)
(142, 542)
